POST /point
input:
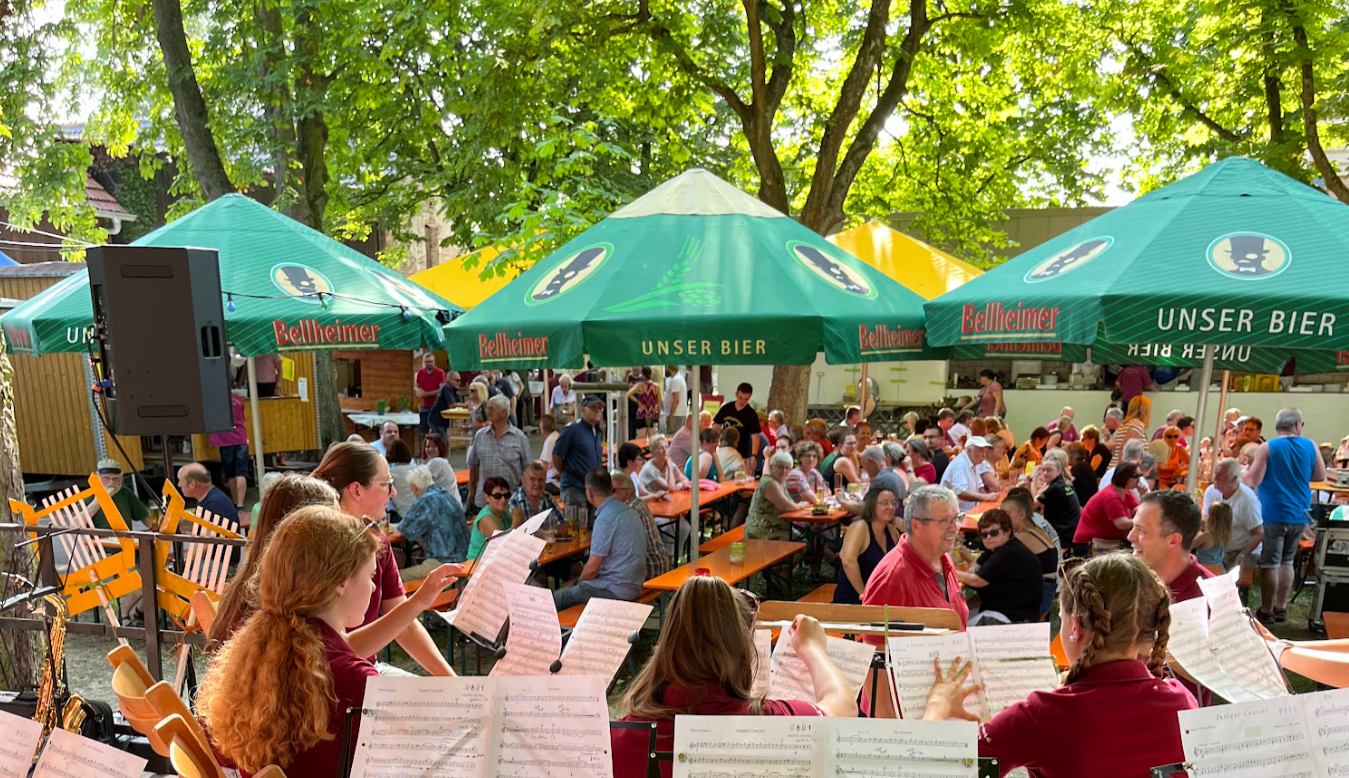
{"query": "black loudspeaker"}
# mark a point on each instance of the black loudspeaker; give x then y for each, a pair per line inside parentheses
(160, 331)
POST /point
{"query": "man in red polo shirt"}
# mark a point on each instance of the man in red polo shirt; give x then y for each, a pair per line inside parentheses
(918, 572)
(429, 380)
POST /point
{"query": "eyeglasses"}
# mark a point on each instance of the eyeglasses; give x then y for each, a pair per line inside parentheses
(385, 484)
(751, 599)
(499, 495)
(369, 522)
(1172, 437)
(1070, 564)
(993, 533)
(951, 522)
(886, 504)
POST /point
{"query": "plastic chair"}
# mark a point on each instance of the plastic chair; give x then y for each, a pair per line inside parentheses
(1056, 651)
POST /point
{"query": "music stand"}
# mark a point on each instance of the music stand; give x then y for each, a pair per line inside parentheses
(494, 644)
(652, 757)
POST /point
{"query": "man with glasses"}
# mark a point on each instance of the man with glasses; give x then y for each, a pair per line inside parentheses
(499, 449)
(965, 476)
(1281, 473)
(932, 436)
(447, 397)
(918, 572)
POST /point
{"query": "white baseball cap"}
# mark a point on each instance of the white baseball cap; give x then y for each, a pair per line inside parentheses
(977, 440)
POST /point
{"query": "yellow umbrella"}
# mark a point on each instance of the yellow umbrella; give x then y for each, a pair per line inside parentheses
(926, 270)
(461, 285)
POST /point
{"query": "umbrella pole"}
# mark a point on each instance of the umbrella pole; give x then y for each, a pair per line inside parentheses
(865, 394)
(547, 393)
(1205, 377)
(613, 439)
(1218, 426)
(258, 466)
(695, 532)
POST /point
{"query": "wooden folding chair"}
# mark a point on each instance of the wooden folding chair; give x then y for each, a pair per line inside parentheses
(96, 577)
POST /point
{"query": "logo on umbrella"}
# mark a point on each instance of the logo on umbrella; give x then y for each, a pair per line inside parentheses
(833, 270)
(569, 273)
(301, 281)
(1070, 259)
(1249, 256)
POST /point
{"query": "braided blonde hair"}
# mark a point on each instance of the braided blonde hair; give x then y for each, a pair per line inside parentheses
(1121, 602)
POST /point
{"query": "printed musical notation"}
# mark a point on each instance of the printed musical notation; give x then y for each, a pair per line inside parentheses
(509, 727)
(790, 680)
(553, 727)
(1011, 660)
(67, 755)
(599, 643)
(431, 727)
(1258, 739)
(19, 740)
(787, 747)
(535, 639)
(482, 608)
(1216, 645)
(763, 649)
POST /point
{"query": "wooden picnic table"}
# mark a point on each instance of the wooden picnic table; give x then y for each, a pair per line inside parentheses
(759, 555)
(680, 502)
(808, 516)
(560, 550)
(1326, 486)
(970, 522)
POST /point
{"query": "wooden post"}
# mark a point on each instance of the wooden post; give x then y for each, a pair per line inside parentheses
(258, 465)
(865, 393)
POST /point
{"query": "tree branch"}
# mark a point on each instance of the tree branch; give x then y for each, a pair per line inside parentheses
(661, 34)
(1327, 170)
(850, 96)
(784, 57)
(1158, 74)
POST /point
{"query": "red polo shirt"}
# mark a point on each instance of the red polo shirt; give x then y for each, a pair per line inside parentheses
(903, 579)
(387, 583)
(1116, 721)
(430, 382)
(630, 754)
(1186, 585)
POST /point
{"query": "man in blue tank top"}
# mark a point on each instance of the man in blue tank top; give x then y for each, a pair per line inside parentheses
(1281, 473)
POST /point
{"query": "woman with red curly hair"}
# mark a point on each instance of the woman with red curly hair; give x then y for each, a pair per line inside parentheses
(278, 690)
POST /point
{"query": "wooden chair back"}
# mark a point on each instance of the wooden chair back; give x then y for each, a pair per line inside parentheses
(166, 702)
(938, 618)
(205, 565)
(97, 574)
(204, 606)
(190, 757)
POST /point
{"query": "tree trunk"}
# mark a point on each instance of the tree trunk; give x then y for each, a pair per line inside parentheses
(20, 651)
(790, 392)
(1334, 183)
(188, 106)
(331, 427)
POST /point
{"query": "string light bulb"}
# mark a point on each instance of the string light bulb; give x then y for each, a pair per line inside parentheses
(407, 314)
(230, 306)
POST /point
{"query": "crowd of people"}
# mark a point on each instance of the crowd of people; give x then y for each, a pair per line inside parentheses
(321, 593)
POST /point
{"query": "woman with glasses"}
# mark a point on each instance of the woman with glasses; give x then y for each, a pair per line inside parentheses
(865, 544)
(770, 501)
(361, 477)
(1007, 575)
(804, 482)
(842, 467)
(705, 664)
(1115, 716)
(493, 517)
(1109, 515)
(1177, 463)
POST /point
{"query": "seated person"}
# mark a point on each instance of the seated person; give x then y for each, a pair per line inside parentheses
(805, 483)
(1007, 575)
(865, 544)
(704, 664)
(435, 451)
(1085, 482)
(659, 473)
(290, 666)
(919, 460)
(493, 517)
(1037, 535)
(1057, 500)
(918, 572)
(842, 467)
(879, 470)
(657, 559)
(729, 460)
(616, 569)
(631, 462)
(1210, 545)
(1109, 514)
(400, 462)
(128, 504)
(1098, 454)
(770, 501)
(1115, 715)
(1032, 451)
(706, 457)
(435, 521)
(1177, 463)
(532, 497)
(194, 483)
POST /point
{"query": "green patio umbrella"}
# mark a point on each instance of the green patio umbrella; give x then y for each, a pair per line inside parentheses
(287, 288)
(694, 272)
(1235, 255)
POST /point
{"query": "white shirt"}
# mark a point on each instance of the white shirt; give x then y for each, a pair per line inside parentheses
(962, 475)
(673, 384)
(563, 398)
(547, 456)
(959, 433)
(1246, 514)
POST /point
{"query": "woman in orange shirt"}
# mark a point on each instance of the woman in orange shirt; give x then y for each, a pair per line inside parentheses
(1177, 465)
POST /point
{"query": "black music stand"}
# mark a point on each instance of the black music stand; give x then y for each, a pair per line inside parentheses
(653, 759)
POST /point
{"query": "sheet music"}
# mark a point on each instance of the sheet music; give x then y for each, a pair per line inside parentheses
(1013, 661)
(1261, 739)
(68, 755)
(1189, 645)
(599, 643)
(535, 522)
(1326, 716)
(911, 662)
(482, 609)
(535, 638)
(1010, 641)
(899, 748)
(763, 647)
(19, 739)
(552, 727)
(748, 746)
(1241, 653)
(1215, 586)
(427, 727)
(790, 680)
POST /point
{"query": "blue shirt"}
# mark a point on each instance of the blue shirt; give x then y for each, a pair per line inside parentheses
(437, 521)
(580, 445)
(216, 502)
(620, 540)
(1285, 491)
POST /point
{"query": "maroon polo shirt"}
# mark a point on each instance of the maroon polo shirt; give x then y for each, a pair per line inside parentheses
(1116, 721)
(629, 745)
(1186, 585)
(387, 583)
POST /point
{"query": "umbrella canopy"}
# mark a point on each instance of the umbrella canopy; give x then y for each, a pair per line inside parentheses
(1235, 255)
(287, 287)
(463, 285)
(696, 272)
(927, 270)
